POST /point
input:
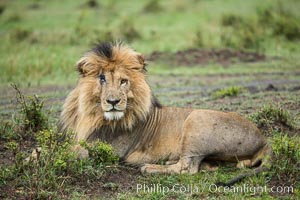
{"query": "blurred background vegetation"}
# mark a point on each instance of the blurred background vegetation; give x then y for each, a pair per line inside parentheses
(41, 40)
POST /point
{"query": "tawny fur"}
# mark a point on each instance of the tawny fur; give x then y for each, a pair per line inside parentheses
(146, 133)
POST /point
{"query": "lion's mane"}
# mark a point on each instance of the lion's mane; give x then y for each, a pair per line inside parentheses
(81, 111)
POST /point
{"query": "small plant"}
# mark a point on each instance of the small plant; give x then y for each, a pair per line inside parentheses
(2, 8)
(232, 20)
(227, 92)
(92, 4)
(271, 118)
(55, 166)
(7, 131)
(241, 33)
(19, 34)
(33, 118)
(280, 21)
(128, 32)
(99, 34)
(152, 6)
(100, 152)
(288, 26)
(199, 41)
(286, 158)
(13, 17)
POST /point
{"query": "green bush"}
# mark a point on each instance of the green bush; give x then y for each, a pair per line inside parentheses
(232, 20)
(241, 33)
(227, 92)
(270, 118)
(280, 21)
(32, 115)
(54, 166)
(152, 6)
(19, 34)
(287, 26)
(286, 158)
(100, 152)
(129, 32)
(7, 132)
(251, 33)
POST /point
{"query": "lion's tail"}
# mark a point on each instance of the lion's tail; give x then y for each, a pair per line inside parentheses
(262, 158)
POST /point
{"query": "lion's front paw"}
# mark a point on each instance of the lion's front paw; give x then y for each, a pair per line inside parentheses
(146, 168)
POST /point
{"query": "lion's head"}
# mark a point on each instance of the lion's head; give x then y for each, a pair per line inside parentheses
(111, 90)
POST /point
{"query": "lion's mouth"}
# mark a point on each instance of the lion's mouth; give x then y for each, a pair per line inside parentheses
(113, 114)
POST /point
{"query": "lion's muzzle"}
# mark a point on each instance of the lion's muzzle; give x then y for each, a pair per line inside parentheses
(113, 102)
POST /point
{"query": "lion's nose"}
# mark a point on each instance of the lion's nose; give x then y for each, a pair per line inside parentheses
(113, 101)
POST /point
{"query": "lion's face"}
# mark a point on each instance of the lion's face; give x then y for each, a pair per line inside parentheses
(112, 85)
(115, 87)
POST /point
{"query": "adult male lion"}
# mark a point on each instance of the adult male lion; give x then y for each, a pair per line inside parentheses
(113, 102)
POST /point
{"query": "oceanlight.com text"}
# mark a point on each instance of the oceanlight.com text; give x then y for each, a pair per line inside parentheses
(212, 188)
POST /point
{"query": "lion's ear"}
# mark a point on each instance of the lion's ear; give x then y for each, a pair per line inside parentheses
(80, 66)
(85, 66)
(141, 59)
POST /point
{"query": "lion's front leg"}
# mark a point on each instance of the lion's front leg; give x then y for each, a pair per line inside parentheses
(184, 165)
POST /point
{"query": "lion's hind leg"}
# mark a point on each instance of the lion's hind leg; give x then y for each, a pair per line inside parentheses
(260, 158)
(244, 164)
(207, 166)
(184, 165)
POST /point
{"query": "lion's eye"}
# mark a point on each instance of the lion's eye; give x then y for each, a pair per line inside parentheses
(124, 81)
(102, 78)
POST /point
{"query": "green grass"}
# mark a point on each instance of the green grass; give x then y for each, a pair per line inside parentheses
(41, 46)
(271, 118)
(228, 92)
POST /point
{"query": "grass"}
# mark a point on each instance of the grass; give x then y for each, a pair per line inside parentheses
(55, 167)
(42, 40)
(271, 118)
(48, 47)
(228, 92)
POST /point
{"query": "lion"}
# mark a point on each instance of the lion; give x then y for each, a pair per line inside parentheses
(113, 102)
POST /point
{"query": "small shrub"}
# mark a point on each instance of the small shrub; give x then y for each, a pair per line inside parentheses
(128, 32)
(100, 152)
(199, 41)
(280, 21)
(227, 92)
(241, 33)
(19, 34)
(101, 35)
(56, 165)
(271, 118)
(286, 160)
(13, 17)
(152, 6)
(92, 4)
(287, 26)
(232, 20)
(33, 118)
(2, 8)
(265, 16)
(7, 132)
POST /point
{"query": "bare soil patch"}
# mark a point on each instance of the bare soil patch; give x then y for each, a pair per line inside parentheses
(114, 181)
(191, 57)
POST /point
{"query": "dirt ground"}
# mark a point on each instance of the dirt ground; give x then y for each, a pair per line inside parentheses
(192, 57)
(179, 90)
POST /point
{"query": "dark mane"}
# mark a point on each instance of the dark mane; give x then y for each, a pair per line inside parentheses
(155, 102)
(103, 49)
